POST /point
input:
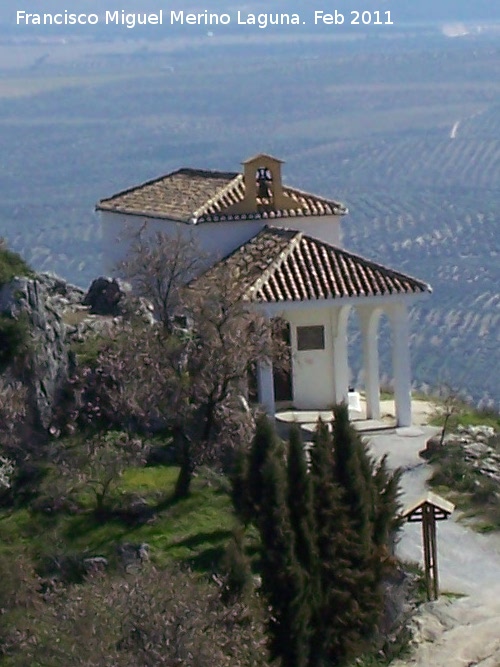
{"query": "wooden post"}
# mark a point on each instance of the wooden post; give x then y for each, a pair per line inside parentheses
(427, 551)
(433, 550)
(430, 552)
(428, 510)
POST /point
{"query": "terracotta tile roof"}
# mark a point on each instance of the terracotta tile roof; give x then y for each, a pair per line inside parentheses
(279, 265)
(194, 196)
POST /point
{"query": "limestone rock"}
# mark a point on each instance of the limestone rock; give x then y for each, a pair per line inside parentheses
(95, 564)
(60, 314)
(132, 556)
(104, 296)
(49, 360)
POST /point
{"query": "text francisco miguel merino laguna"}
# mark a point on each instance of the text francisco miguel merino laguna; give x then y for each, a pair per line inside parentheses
(173, 17)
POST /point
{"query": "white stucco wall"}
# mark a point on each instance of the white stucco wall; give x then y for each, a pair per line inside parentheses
(312, 370)
(325, 228)
(215, 238)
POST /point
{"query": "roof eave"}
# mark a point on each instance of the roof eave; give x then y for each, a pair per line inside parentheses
(144, 214)
(375, 299)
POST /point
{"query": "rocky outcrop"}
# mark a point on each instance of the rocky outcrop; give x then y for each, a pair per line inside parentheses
(59, 314)
(48, 360)
(112, 297)
(479, 445)
(105, 296)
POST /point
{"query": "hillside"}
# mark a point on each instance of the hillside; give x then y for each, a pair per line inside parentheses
(406, 135)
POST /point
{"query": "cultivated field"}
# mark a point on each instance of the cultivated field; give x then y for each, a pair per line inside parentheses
(407, 133)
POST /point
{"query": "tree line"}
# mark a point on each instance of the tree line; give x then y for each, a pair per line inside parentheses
(325, 527)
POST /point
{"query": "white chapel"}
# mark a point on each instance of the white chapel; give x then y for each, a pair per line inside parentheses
(286, 245)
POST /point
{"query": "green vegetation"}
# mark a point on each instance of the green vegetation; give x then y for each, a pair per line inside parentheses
(194, 530)
(458, 474)
(97, 555)
(87, 351)
(14, 337)
(473, 492)
(324, 539)
(467, 415)
(11, 265)
(91, 499)
(13, 332)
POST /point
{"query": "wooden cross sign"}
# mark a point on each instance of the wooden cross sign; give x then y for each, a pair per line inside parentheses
(427, 511)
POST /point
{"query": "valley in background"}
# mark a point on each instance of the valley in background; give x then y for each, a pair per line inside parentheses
(404, 127)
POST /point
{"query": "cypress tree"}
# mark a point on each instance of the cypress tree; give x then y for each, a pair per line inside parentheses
(335, 607)
(283, 581)
(350, 599)
(239, 487)
(370, 490)
(353, 472)
(263, 443)
(237, 571)
(300, 502)
(387, 519)
(323, 539)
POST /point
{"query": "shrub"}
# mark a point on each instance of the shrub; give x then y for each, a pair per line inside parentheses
(13, 339)
(453, 471)
(11, 264)
(486, 492)
(153, 618)
(237, 571)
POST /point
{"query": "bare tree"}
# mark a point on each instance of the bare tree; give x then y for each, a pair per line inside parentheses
(226, 338)
(451, 406)
(97, 464)
(159, 266)
(188, 380)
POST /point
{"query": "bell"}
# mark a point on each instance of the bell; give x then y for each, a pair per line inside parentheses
(263, 191)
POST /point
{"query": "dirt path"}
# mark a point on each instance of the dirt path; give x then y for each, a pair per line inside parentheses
(452, 632)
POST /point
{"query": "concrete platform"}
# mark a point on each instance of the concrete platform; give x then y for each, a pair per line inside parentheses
(422, 411)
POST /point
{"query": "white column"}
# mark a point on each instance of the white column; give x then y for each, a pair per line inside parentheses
(340, 354)
(265, 384)
(369, 318)
(401, 363)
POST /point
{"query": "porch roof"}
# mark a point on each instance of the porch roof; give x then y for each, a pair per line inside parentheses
(283, 265)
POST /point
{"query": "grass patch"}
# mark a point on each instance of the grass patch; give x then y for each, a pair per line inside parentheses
(452, 595)
(194, 530)
(149, 481)
(75, 317)
(87, 351)
(467, 416)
